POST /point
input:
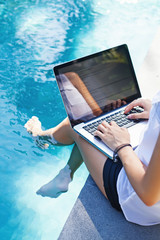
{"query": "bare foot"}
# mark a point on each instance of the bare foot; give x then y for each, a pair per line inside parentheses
(57, 185)
(34, 127)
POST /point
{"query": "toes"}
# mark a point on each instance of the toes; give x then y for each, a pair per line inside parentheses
(44, 146)
(34, 118)
(28, 124)
(32, 123)
(39, 192)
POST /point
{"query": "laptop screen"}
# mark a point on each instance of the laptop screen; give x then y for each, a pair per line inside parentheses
(94, 85)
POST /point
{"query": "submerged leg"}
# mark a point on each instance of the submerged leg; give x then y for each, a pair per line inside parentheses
(93, 158)
(60, 183)
(58, 135)
(75, 160)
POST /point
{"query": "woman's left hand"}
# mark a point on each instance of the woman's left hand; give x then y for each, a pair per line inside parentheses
(112, 135)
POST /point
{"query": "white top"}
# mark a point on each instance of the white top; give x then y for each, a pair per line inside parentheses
(133, 208)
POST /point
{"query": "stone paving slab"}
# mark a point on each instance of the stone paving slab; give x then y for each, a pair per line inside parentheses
(92, 218)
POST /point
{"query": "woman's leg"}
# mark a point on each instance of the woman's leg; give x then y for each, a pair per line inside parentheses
(92, 157)
(75, 160)
(60, 183)
(58, 135)
(61, 133)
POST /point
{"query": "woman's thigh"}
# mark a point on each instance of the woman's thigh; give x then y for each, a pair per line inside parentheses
(63, 133)
(94, 160)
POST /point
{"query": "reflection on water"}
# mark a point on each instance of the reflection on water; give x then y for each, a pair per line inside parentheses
(36, 35)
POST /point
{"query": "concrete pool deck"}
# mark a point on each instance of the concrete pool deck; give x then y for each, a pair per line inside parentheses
(92, 217)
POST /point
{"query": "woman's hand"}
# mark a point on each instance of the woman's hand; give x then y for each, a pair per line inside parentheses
(146, 104)
(112, 135)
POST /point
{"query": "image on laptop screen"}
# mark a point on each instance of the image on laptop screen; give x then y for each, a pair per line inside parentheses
(96, 84)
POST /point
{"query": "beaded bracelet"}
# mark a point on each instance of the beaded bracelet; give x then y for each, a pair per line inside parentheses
(117, 149)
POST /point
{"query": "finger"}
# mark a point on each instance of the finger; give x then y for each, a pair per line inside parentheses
(98, 134)
(138, 102)
(105, 124)
(113, 123)
(101, 128)
(133, 104)
(142, 115)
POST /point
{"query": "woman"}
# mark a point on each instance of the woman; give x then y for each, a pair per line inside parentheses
(133, 183)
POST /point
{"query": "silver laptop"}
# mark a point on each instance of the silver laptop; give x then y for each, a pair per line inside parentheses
(98, 87)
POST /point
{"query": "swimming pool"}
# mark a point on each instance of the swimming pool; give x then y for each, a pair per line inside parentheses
(36, 35)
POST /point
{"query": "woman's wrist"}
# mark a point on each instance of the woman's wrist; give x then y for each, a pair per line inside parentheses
(125, 154)
(118, 149)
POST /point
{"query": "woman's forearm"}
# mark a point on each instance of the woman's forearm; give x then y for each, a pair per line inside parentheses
(135, 170)
(152, 176)
(144, 180)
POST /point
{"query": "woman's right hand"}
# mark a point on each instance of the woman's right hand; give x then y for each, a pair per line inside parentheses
(146, 104)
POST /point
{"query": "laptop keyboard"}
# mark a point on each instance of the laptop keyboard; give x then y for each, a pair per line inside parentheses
(119, 117)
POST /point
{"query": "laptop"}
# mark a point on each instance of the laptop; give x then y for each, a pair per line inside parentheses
(98, 87)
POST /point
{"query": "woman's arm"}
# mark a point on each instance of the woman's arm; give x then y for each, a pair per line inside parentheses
(152, 176)
(144, 180)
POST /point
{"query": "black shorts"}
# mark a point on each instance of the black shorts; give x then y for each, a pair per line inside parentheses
(110, 174)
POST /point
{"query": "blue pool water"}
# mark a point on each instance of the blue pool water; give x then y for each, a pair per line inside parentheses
(34, 36)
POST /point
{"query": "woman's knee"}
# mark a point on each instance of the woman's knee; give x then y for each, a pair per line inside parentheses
(66, 121)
